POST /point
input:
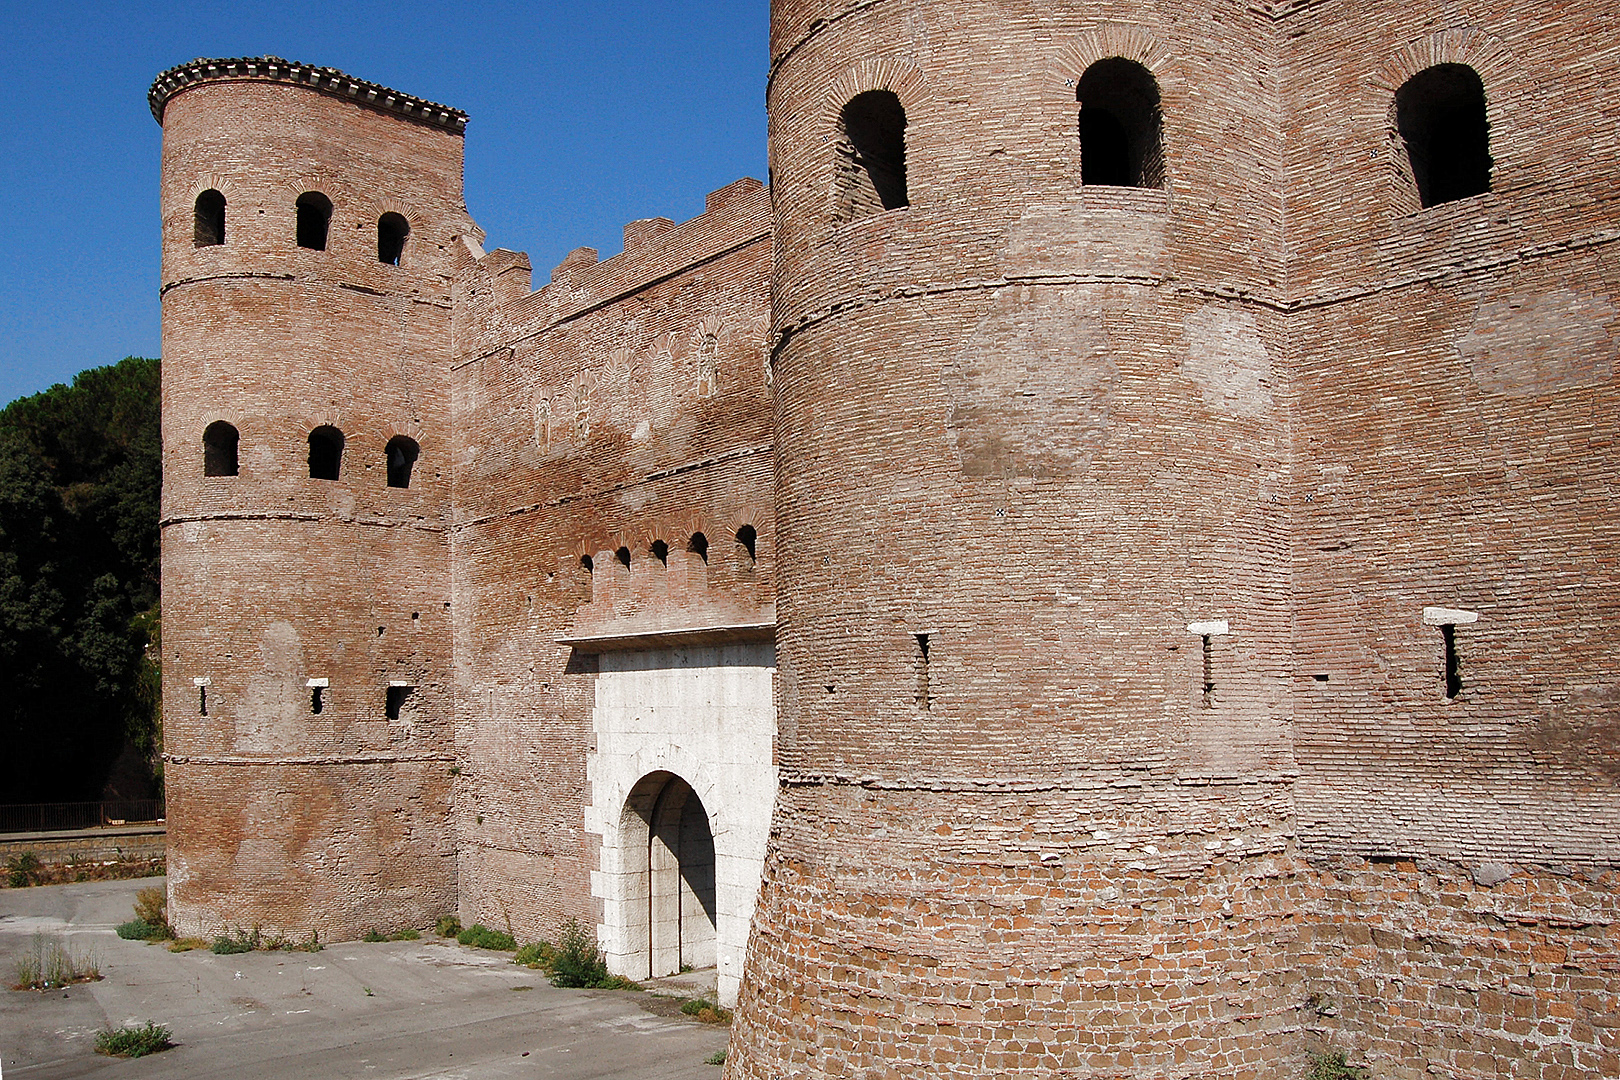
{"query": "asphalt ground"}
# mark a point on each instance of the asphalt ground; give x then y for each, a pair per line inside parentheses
(412, 1010)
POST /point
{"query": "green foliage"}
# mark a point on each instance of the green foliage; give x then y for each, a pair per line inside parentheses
(706, 1011)
(133, 1042)
(398, 935)
(482, 937)
(237, 942)
(152, 905)
(47, 964)
(541, 954)
(22, 870)
(575, 961)
(447, 926)
(1332, 1066)
(80, 475)
(716, 1058)
(141, 930)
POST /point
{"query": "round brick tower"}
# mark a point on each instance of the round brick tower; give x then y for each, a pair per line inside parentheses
(309, 222)
(1035, 810)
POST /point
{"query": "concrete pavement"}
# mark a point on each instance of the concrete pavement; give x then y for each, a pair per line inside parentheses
(419, 1010)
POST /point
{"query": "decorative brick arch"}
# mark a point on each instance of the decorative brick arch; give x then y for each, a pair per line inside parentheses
(1467, 45)
(1109, 39)
(902, 78)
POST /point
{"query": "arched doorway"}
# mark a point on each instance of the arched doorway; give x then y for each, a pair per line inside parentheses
(670, 847)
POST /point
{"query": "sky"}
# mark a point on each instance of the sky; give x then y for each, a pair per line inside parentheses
(585, 115)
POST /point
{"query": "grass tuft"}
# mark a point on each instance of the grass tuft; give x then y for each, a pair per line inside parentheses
(133, 1042)
(716, 1058)
(482, 937)
(447, 926)
(574, 961)
(1332, 1066)
(706, 1011)
(51, 965)
(398, 935)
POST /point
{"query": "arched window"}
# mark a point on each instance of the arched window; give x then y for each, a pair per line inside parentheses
(325, 453)
(314, 219)
(208, 223)
(1120, 125)
(872, 155)
(392, 231)
(219, 449)
(747, 538)
(1440, 113)
(699, 546)
(402, 454)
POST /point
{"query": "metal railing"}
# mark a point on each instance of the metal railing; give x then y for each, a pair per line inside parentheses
(52, 817)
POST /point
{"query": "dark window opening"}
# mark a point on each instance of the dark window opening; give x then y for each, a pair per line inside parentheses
(748, 538)
(1209, 674)
(587, 564)
(699, 546)
(314, 220)
(392, 231)
(202, 701)
(325, 453)
(872, 155)
(1440, 113)
(1121, 142)
(623, 555)
(1453, 672)
(220, 442)
(923, 697)
(316, 699)
(397, 696)
(660, 551)
(402, 453)
(208, 228)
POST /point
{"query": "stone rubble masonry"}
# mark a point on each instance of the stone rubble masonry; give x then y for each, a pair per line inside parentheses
(1105, 543)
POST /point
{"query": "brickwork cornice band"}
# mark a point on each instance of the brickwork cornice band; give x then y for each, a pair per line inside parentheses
(323, 79)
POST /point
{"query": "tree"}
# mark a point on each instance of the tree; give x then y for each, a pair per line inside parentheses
(80, 478)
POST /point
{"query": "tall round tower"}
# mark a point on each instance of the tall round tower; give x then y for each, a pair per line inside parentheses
(308, 226)
(1032, 595)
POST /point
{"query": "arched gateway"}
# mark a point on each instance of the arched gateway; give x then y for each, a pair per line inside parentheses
(668, 906)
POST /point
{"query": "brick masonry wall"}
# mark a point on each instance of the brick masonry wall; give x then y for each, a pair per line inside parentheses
(280, 817)
(624, 403)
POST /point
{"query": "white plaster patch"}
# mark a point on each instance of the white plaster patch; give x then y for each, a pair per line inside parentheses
(1534, 344)
(1228, 361)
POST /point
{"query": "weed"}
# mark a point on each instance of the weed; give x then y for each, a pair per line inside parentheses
(133, 1042)
(22, 870)
(482, 937)
(312, 945)
(136, 930)
(522, 988)
(237, 942)
(447, 926)
(152, 906)
(373, 935)
(398, 935)
(686, 968)
(49, 965)
(716, 1058)
(367, 989)
(707, 1011)
(578, 962)
(186, 944)
(1332, 1066)
(541, 954)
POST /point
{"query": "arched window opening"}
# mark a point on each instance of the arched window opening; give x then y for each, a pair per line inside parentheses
(314, 219)
(1440, 113)
(220, 441)
(660, 551)
(699, 546)
(747, 538)
(872, 155)
(325, 453)
(208, 225)
(392, 231)
(670, 910)
(402, 453)
(1121, 126)
(587, 564)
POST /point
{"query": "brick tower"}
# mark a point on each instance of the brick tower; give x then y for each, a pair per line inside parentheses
(307, 222)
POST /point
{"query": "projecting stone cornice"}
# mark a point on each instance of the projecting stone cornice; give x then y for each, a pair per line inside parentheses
(323, 79)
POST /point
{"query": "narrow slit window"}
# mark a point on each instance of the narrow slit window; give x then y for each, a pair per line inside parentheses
(699, 546)
(402, 453)
(924, 696)
(1440, 114)
(314, 220)
(1121, 125)
(392, 232)
(395, 700)
(317, 700)
(1453, 665)
(1209, 673)
(208, 221)
(872, 155)
(325, 453)
(220, 443)
(748, 539)
(202, 701)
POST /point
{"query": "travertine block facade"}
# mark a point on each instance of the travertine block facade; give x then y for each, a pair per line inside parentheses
(1103, 569)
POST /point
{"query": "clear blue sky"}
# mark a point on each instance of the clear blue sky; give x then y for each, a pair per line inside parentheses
(585, 115)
